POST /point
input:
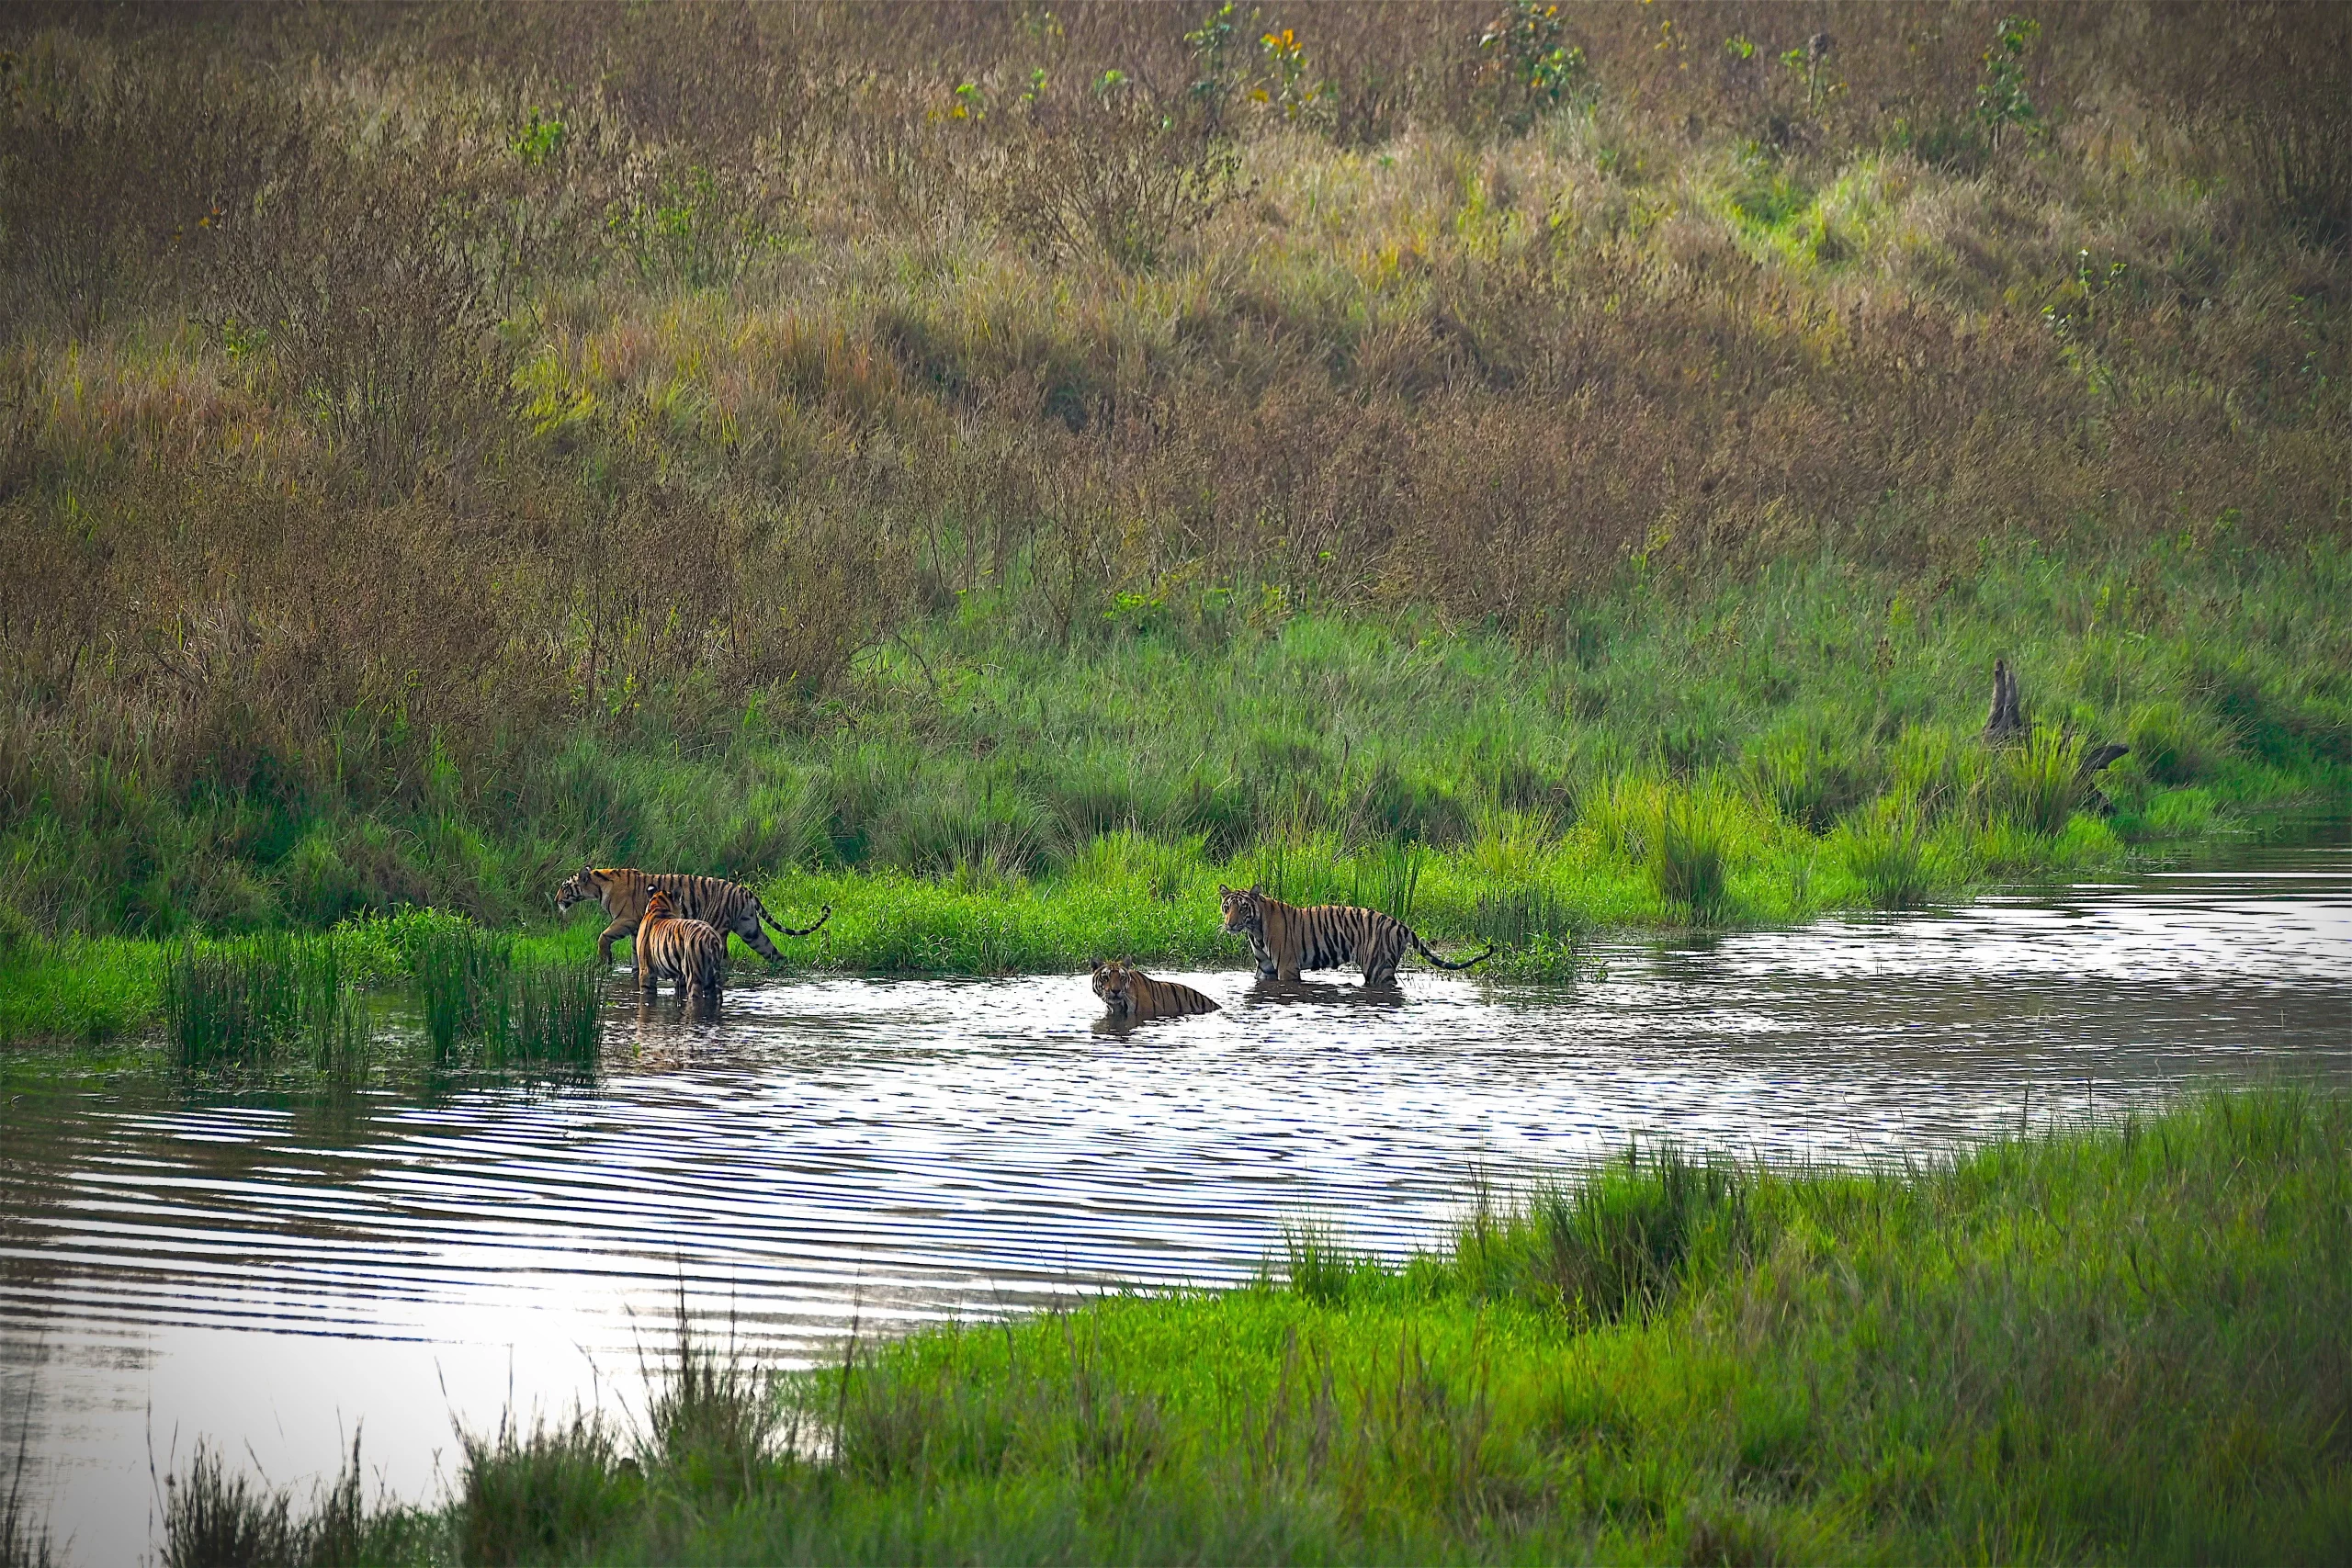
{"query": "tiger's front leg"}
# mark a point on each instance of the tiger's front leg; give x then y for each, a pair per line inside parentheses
(614, 932)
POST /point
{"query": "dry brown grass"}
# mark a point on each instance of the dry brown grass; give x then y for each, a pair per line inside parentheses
(351, 425)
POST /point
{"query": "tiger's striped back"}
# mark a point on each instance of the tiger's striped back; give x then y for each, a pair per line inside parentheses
(722, 905)
(1127, 992)
(1286, 939)
(671, 947)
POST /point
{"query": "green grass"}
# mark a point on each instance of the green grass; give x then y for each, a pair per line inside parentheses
(2120, 1343)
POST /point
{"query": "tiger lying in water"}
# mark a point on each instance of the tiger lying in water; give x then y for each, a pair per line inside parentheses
(721, 905)
(1128, 993)
(692, 952)
(1285, 938)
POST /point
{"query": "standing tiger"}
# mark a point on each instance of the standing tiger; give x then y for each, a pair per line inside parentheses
(722, 905)
(669, 947)
(1285, 938)
(1128, 993)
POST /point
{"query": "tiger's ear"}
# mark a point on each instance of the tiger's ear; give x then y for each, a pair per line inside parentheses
(1095, 964)
(1256, 891)
(1223, 891)
(1128, 961)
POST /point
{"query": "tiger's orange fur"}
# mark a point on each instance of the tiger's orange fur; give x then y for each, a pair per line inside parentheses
(670, 947)
(722, 905)
(1127, 992)
(1286, 939)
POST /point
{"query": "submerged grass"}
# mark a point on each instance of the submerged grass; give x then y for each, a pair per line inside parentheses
(2121, 1342)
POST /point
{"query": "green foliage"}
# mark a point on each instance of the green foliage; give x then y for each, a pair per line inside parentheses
(2001, 98)
(1534, 67)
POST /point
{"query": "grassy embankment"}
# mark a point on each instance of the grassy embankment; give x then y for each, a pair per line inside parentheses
(880, 455)
(2119, 1344)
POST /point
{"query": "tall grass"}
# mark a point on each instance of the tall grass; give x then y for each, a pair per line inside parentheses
(1887, 853)
(1687, 859)
(465, 976)
(475, 990)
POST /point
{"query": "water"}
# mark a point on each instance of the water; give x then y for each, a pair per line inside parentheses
(272, 1270)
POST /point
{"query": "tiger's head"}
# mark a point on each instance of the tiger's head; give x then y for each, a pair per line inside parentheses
(659, 908)
(1245, 909)
(1115, 983)
(586, 887)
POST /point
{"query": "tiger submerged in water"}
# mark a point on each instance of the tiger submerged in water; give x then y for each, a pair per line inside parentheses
(1285, 938)
(669, 947)
(1128, 993)
(724, 905)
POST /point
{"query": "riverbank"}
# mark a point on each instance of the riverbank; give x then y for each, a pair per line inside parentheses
(2122, 1342)
(1537, 899)
(978, 801)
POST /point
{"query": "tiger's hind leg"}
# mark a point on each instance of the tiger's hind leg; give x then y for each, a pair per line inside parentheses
(757, 940)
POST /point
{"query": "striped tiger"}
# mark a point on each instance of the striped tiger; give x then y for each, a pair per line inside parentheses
(1128, 993)
(1285, 938)
(670, 947)
(722, 905)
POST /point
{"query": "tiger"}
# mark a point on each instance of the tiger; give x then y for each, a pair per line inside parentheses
(722, 905)
(1285, 938)
(670, 947)
(1128, 993)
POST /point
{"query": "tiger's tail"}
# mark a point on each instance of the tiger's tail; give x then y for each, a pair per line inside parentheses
(781, 929)
(1423, 949)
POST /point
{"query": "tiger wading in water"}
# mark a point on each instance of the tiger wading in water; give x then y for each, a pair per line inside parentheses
(724, 905)
(1128, 993)
(669, 947)
(1285, 938)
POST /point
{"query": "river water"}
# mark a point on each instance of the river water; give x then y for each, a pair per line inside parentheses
(273, 1269)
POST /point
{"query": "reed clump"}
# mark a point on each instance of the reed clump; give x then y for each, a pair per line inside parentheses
(475, 990)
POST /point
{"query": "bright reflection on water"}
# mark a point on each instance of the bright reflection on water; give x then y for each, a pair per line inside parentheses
(271, 1270)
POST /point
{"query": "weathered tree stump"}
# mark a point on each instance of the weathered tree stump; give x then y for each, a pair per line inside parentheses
(2007, 722)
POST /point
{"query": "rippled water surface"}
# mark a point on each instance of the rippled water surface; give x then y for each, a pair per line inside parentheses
(273, 1269)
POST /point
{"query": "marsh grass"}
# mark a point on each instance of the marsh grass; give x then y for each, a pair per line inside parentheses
(2112, 1341)
(555, 1014)
(2036, 784)
(25, 1542)
(464, 978)
(1887, 853)
(1687, 859)
(217, 1518)
(542, 1495)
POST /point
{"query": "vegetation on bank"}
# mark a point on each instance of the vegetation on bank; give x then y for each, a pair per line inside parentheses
(990, 804)
(440, 447)
(2120, 1343)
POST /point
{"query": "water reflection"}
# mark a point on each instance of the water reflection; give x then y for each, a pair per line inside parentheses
(272, 1268)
